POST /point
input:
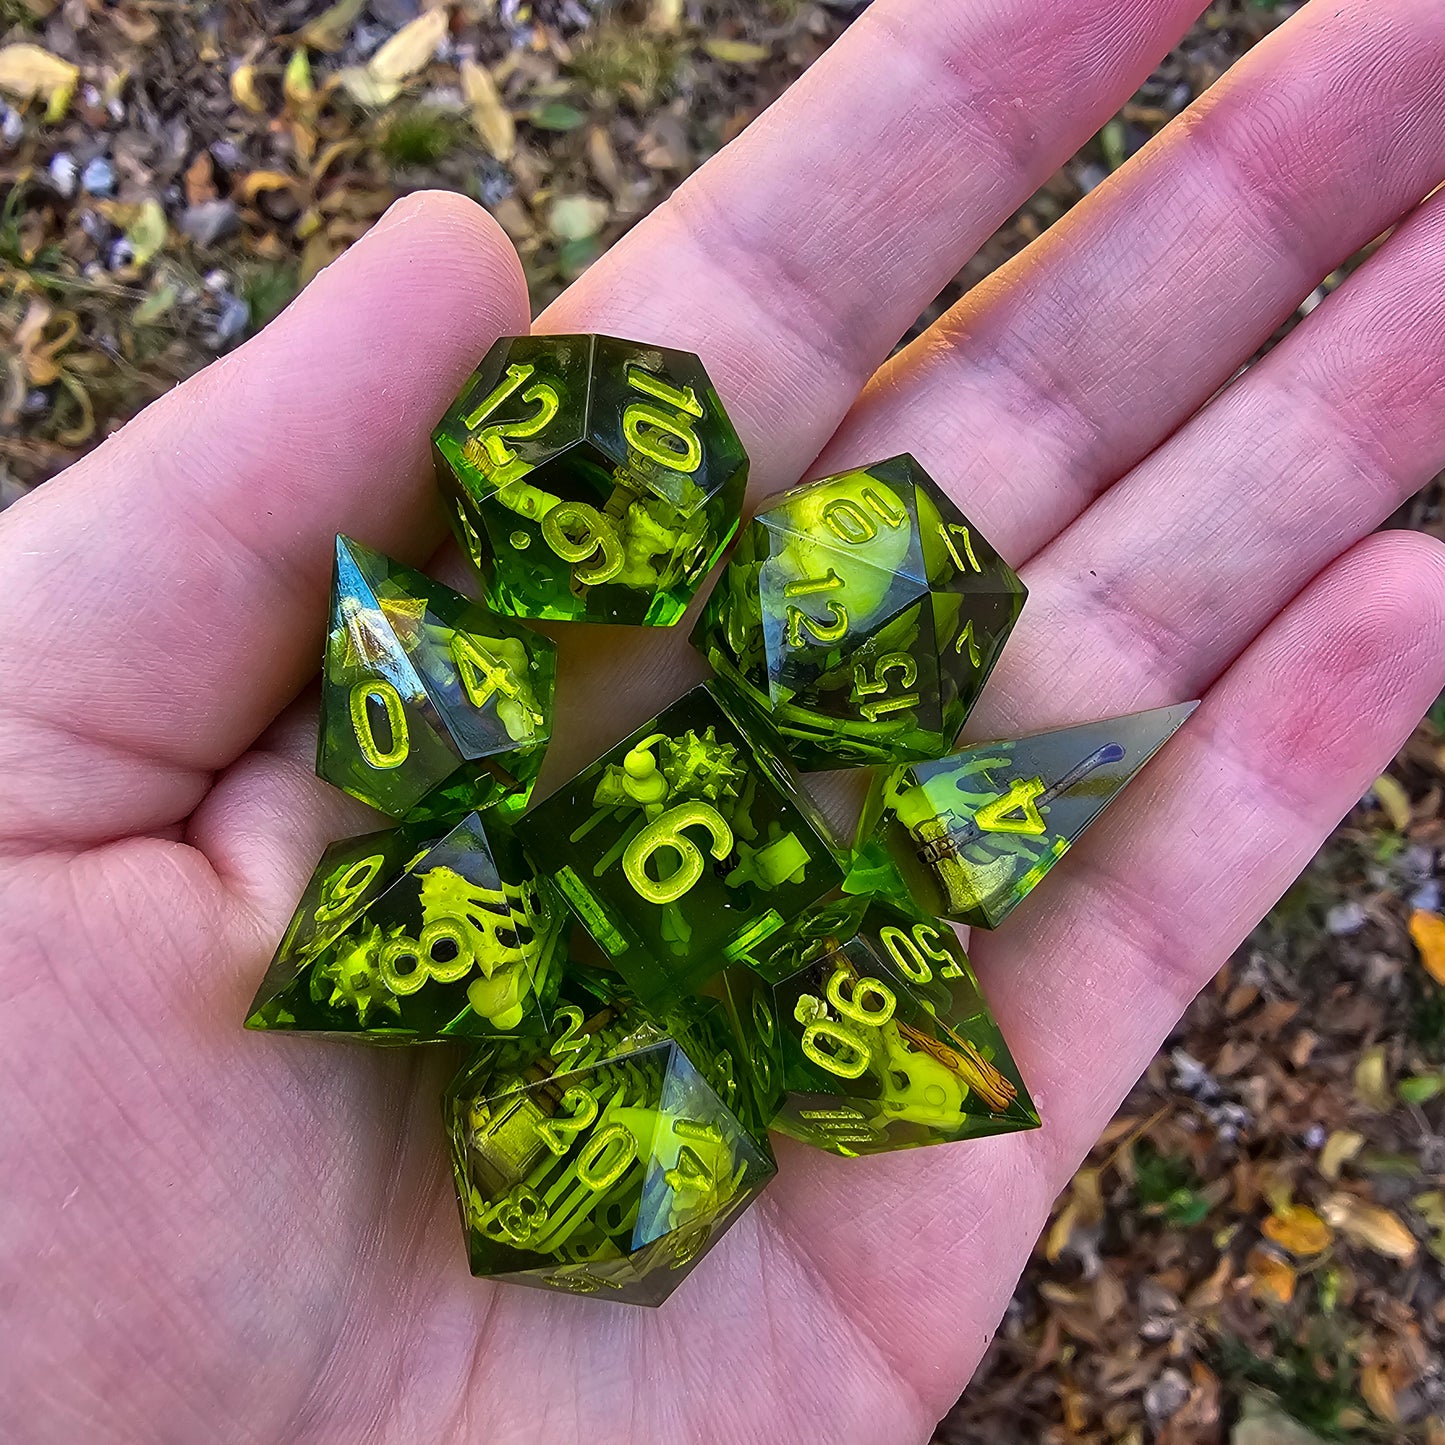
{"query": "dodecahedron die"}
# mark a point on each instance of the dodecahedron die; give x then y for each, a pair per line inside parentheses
(969, 836)
(430, 705)
(610, 1159)
(864, 612)
(685, 845)
(885, 1039)
(590, 479)
(405, 937)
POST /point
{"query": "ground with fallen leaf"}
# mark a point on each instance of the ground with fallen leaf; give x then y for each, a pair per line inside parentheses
(1255, 1252)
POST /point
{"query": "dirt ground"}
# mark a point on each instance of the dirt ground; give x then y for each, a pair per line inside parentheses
(1256, 1250)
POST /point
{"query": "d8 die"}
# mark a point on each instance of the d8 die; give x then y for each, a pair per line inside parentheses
(430, 706)
(685, 845)
(607, 1162)
(405, 937)
(971, 835)
(590, 479)
(886, 1041)
(864, 612)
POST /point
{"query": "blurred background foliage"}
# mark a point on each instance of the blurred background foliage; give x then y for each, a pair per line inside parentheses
(1255, 1252)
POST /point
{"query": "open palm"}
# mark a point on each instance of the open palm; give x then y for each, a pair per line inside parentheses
(207, 1235)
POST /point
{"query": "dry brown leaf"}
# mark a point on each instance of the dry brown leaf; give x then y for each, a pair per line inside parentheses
(410, 48)
(1372, 1085)
(243, 89)
(1375, 1227)
(1394, 800)
(1298, 1229)
(1379, 1393)
(1428, 931)
(31, 73)
(493, 121)
(1340, 1148)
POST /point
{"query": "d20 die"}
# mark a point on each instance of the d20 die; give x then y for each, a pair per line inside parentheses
(608, 1162)
(864, 612)
(405, 937)
(590, 479)
(430, 706)
(683, 846)
(971, 835)
(886, 1040)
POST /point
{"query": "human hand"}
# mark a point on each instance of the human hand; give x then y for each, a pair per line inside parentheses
(209, 1235)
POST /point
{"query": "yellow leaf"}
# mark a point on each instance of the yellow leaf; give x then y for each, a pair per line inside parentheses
(1394, 800)
(1371, 1085)
(665, 15)
(736, 52)
(29, 72)
(147, 232)
(1298, 1229)
(328, 31)
(258, 181)
(1340, 1148)
(296, 84)
(410, 48)
(1372, 1226)
(574, 218)
(490, 116)
(243, 89)
(365, 89)
(1428, 931)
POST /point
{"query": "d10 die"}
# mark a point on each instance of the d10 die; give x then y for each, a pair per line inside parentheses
(609, 1161)
(589, 479)
(886, 1041)
(971, 835)
(864, 612)
(430, 706)
(406, 937)
(684, 846)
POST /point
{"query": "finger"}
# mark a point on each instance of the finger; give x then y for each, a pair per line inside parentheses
(798, 256)
(166, 596)
(1058, 374)
(1150, 903)
(1168, 576)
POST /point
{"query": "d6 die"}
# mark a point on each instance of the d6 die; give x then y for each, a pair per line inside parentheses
(405, 937)
(684, 845)
(590, 479)
(864, 612)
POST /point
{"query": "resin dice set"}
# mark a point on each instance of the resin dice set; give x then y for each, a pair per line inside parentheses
(672, 954)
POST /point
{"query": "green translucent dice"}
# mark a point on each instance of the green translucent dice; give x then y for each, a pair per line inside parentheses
(684, 846)
(885, 1040)
(430, 706)
(971, 835)
(407, 936)
(863, 613)
(671, 954)
(590, 479)
(609, 1159)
